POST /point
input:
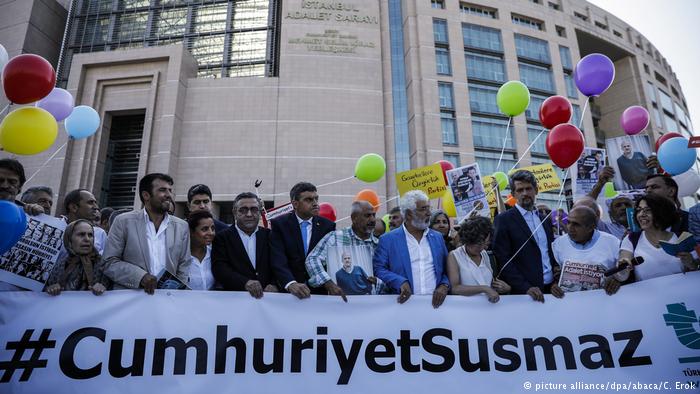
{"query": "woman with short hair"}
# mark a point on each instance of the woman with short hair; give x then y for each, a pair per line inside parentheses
(469, 267)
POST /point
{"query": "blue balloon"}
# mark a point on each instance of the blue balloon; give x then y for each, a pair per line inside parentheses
(675, 157)
(82, 122)
(13, 223)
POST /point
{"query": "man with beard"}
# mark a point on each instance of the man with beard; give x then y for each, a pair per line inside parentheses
(359, 235)
(523, 243)
(633, 166)
(411, 259)
(395, 219)
(146, 242)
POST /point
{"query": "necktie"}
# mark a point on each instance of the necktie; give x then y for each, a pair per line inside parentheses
(304, 236)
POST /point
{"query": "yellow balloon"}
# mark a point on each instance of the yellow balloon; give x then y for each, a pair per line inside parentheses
(448, 204)
(28, 131)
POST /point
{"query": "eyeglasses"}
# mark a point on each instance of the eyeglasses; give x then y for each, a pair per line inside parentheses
(244, 210)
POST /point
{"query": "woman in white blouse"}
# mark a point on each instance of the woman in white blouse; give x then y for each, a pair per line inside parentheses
(469, 266)
(655, 214)
(201, 236)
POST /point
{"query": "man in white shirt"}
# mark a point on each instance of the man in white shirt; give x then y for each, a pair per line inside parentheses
(411, 259)
(585, 244)
(241, 253)
(144, 243)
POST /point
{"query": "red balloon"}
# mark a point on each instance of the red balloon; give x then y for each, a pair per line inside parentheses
(564, 145)
(28, 78)
(665, 138)
(327, 211)
(554, 111)
(446, 166)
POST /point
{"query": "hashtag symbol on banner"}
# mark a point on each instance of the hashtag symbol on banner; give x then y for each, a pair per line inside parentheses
(27, 366)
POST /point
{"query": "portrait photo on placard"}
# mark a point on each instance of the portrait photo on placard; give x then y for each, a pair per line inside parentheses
(628, 156)
(350, 267)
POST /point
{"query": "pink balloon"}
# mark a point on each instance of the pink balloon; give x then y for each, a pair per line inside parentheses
(634, 119)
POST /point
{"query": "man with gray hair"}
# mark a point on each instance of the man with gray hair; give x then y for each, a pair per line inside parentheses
(40, 195)
(522, 242)
(359, 235)
(411, 259)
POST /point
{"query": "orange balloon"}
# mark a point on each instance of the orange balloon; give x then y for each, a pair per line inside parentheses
(511, 201)
(368, 195)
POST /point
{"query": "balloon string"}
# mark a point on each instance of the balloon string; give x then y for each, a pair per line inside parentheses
(583, 113)
(505, 141)
(4, 109)
(46, 162)
(334, 182)
(561, 190)
(377, 207)
(528, 149)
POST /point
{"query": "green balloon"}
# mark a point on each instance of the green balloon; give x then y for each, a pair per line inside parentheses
(609, 190)
(513, 98)
(502, 180)
(385, 219)
(370, 168)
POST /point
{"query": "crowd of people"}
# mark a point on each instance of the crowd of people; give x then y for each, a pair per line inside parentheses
(423, 252)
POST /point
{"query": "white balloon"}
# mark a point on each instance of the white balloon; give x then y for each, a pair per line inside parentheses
(4, 57)
(688, 183)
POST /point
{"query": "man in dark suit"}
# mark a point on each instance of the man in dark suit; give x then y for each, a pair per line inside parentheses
(199, 198)
(523, 243)
(293, 236)
(240, 257)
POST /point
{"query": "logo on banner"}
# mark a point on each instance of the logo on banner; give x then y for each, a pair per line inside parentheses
(684, 322)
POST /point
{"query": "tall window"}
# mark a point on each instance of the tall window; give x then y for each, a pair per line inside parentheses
(442, 47)
(576, 116)
(488, 161)
(666, 102)
(533, 109)
(452, 158)
(439, 4)
(447, 114)
(539, 147)
(571, 89)
(565, 55)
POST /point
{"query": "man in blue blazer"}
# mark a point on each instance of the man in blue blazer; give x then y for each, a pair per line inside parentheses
(293, 236)
(411, 259)
(523, 243)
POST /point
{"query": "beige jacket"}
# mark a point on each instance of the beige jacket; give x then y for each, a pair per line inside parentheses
(127, 257)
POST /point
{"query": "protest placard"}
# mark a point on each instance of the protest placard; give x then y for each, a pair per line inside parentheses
(468, 191)
(428, 179)
(587, 171)
(547, 178)
(581, 276)
(29, 263)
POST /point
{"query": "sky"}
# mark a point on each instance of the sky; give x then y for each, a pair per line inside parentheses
(673, 27)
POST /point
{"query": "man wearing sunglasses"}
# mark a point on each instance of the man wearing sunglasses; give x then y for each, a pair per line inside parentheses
(240, 254)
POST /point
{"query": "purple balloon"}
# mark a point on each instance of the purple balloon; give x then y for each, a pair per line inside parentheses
(59, 103)
(594, 74)
(634, 119)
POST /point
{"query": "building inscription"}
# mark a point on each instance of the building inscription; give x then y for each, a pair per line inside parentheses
(331, 41)
(331, 11)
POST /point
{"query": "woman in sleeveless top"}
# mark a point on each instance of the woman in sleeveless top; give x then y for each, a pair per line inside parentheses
(469, 266)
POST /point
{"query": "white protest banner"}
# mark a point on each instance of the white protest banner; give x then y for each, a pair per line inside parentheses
(645, 336)
(29, 263)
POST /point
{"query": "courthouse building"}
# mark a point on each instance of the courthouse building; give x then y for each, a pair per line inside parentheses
(227, 92)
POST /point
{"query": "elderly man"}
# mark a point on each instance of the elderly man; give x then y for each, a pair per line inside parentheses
(240, 255)
(40, 195)
(665, 186)
(144, 243)
(12, 179)
(411, 259)
(522, 242)
(360, 234)
(633, 166)
(585, 244)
